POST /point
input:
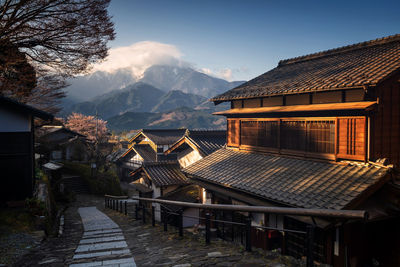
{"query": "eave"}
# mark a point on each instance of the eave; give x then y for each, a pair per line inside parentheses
(362, 106)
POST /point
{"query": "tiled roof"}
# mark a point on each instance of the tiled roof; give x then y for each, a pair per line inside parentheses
(289, 181)
(114, 156)
(146, 152)
(189, 193)
(362, 64)
(165, 173)
(162, 136)
(207, 141)
(14, 104)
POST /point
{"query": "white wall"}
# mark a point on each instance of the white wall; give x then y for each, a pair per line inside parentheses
(11, 121)
(188, 156)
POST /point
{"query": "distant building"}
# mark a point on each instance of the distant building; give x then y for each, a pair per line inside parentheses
(160, 177)
(58, 143)
(148, 145)
(17, 148)
(197, 144)
(320, 131)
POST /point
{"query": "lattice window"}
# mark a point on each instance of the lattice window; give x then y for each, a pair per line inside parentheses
(321, 136)
(249, 133)
(268, 134)
(293, 135)
(259, 133)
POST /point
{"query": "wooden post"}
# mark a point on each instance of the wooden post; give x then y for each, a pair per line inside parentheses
(248, 233)
(153, 216)
(120, 206)
(208, 228)
(180, 218)
(233, 227)
(144, 214)
(165, 220)
(223, 225)
(126, 207)
(105, 202)
(310, 245)
(136, 212)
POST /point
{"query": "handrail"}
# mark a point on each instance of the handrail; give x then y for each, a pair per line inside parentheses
(116, 197)
(343, 214)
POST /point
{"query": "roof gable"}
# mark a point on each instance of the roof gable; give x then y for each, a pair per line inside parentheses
(354, 66)
(161, 136)
(204, 141)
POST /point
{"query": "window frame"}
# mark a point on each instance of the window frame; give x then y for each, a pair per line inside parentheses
(301, 153)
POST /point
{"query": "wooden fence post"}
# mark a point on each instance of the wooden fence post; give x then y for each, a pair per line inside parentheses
(180, 218)
(153, 216)
(126, 207)
(165, 220)
(136, 212)
(144, 214)
(248, 233)
(310, 245)
(208, 234)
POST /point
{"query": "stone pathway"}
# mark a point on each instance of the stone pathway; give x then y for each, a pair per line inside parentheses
(149, 246)
(102, 243)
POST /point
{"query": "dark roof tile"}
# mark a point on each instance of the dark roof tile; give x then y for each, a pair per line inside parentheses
(165, 173)
(362, 64)
(146, 152)
(207, 141)
(295, 182)
(164, 136)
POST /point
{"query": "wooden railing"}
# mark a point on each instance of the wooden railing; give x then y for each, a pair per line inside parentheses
(120, 203)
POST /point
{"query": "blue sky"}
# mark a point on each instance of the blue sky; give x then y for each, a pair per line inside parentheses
(250, 37)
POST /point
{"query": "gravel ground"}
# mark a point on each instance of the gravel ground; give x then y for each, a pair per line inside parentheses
(14, 245)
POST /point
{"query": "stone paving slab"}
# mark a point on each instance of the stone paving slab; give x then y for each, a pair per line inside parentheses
(125, 262)
(102, 243)
(102, 239)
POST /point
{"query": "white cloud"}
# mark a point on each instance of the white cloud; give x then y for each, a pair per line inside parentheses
(225, 73)
(140, 56)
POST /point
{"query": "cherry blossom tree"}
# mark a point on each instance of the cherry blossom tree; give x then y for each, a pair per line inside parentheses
(94, 129)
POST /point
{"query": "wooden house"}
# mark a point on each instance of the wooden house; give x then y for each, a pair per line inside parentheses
(58, 143)
(160, 177)
(197, 144)
(318, 131)
(147, 145)
(17, 148)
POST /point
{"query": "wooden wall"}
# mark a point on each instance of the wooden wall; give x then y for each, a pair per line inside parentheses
(16, 165)
(351, 138)
(385, 123)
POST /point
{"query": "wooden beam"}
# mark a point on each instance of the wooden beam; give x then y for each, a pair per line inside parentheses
(344, 214)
